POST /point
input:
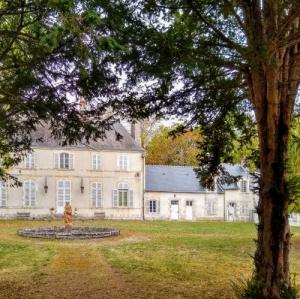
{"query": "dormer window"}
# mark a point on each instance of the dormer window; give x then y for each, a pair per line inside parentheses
(243, 186)
(64, 160)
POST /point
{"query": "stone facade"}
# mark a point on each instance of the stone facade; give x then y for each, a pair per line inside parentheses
(102, 178)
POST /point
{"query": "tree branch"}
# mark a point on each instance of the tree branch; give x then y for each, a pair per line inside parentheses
(231, 44)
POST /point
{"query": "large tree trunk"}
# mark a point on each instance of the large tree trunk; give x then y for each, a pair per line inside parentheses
(273, 113)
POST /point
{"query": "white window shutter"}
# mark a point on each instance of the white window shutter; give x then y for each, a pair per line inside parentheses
(119, 162)
(94, 194)
(94, 162)
(34, 160)
(71, 157)
(56, 160)
(131, 198)
(127, 167)
(100, 194)
(115, 198)
(158, 206)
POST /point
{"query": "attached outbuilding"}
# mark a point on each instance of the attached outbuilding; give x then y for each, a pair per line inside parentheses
(175, 193)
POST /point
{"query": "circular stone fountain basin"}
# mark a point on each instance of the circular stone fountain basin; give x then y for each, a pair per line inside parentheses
(73, 233)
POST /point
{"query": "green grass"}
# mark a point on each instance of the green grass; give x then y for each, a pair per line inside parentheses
(157, 259)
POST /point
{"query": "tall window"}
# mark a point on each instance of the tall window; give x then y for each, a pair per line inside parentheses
(29, 161)
(122, 197)
(63, 192)
(244, 186)
(96, 194)
(123, 162)
(96, 162)
(29, 189)
(211, 207)
(63, 160)
(153, 206)
(3, 194)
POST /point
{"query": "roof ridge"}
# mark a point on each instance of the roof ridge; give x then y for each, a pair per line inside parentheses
(178, 166)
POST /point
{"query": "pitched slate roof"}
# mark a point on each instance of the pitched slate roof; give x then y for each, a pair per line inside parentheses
(171, 179)
(111, 142)
(234, 170)
(162, 178)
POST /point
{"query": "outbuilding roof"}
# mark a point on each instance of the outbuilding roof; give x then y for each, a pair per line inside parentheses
(118, 138)
(163, 178)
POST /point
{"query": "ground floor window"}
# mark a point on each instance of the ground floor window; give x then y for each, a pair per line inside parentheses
(189, 203)
(153, 206)
(63, 192)
(29, 193)
(3, 194)
(245, 209)
(96, 194)
(123, 197)
(211, 207)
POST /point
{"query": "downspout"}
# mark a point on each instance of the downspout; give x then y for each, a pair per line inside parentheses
(144, 185)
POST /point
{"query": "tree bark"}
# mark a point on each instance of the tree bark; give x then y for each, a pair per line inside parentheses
(273, 110)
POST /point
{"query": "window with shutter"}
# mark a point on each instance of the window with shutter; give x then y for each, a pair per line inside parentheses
(123, 195)
(115, 198)
(211, 206)
(244, 209)
(96, 194)
(29, 161)
(96, 162)
(244, 186)
(29, 193)
(123, 162)
(154, 206)
(63, 192)
(3, 194)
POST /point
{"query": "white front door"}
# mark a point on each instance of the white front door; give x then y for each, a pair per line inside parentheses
(63, 195)
(189, 210)
(174, 210)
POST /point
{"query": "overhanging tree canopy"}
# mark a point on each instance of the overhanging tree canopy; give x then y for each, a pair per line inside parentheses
(213, 62)
(52, 52)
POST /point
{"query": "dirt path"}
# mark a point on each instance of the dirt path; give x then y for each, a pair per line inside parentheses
(75, 272)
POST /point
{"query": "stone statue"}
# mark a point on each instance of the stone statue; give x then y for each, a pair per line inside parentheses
(68, 215)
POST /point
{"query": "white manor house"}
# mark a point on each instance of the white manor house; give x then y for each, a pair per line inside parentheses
(109, 179)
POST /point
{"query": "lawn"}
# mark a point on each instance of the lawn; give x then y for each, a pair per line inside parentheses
(149, 260)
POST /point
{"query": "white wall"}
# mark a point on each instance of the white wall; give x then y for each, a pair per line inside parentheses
(199, 205)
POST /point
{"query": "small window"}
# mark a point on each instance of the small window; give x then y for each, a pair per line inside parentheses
(3, 194)
(245, 209)
(123, 163)
(243, 186)
(29, 161)
(96, 194)
(29, 189)
(96, 162)
(63, 161)
(153, 206)
(211, 207)
(189, 203)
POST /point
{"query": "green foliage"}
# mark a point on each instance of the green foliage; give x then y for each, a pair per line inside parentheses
(51, 52)
(293, 167)
(165, 149)
(250, 289)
